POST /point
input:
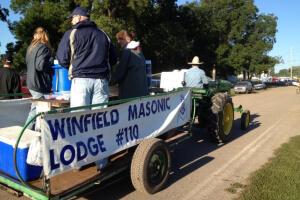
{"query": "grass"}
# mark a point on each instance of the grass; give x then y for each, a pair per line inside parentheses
(279, 179)
(234, 187)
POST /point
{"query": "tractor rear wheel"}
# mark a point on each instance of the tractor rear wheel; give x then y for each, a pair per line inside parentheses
(220, 117)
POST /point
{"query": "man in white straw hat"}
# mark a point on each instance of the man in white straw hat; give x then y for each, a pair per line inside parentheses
(195, 77)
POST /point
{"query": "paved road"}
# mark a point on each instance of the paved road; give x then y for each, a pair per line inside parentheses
(202, 170)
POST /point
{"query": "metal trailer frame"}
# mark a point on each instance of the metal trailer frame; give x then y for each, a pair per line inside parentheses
(20, 187)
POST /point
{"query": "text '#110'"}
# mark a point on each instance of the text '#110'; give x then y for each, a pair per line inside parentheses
(127, 134)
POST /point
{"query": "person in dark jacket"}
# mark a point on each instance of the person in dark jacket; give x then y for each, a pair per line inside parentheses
(39, 68)
(124, 38)
(88, 53)
(9, 80)
(130, 73)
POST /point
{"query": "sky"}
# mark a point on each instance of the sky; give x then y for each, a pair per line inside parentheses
(5, 34)
(287, 44)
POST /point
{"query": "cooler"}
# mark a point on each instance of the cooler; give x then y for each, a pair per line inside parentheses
(149, 71)
(8, 138)
(60, 81)
(172, 80)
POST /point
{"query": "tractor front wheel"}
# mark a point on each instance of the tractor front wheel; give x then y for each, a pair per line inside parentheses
(245, 120)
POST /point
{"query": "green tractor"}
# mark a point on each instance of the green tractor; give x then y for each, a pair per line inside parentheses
(213, 108)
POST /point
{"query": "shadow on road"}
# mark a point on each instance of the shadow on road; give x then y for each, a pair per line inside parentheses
(237, 132)
(187, 157)
(191, 155)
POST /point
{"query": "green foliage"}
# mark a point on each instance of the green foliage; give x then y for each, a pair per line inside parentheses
(52, 15)
(242, 37)
(164, 36)
(287, 72)
(102, 15)
(10, 49)
(4, 12)
(156, 24)
(227, 33)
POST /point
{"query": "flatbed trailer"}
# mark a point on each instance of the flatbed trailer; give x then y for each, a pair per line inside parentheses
(147, 157)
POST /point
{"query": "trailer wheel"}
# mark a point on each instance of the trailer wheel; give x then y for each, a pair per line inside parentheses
(150, 166)
(220, 117)
(245, 120)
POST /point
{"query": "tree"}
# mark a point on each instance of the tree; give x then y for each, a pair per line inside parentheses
(283, 72)
(227, 33)
(260, 41)
(156, 23)
(51, 15)
(164, 36)
(287, 72)
(239, 38)
(4, 12)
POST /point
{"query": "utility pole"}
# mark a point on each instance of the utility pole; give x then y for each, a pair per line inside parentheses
(214, 72)
(291, 61)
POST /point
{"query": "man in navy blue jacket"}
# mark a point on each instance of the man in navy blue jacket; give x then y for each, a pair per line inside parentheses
(88, 53)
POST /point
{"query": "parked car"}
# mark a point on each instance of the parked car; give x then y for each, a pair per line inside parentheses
(295, 83)
(288, 82)
(259, 85)
(24, 88)
(243, 87)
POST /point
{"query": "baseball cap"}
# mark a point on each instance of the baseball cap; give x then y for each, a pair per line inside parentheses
(79, 11)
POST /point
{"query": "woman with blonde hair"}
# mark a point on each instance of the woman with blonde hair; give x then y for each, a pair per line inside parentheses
(39, 68)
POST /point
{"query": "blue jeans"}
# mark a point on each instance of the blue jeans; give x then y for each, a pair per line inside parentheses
(32, 112)
(87, 91)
